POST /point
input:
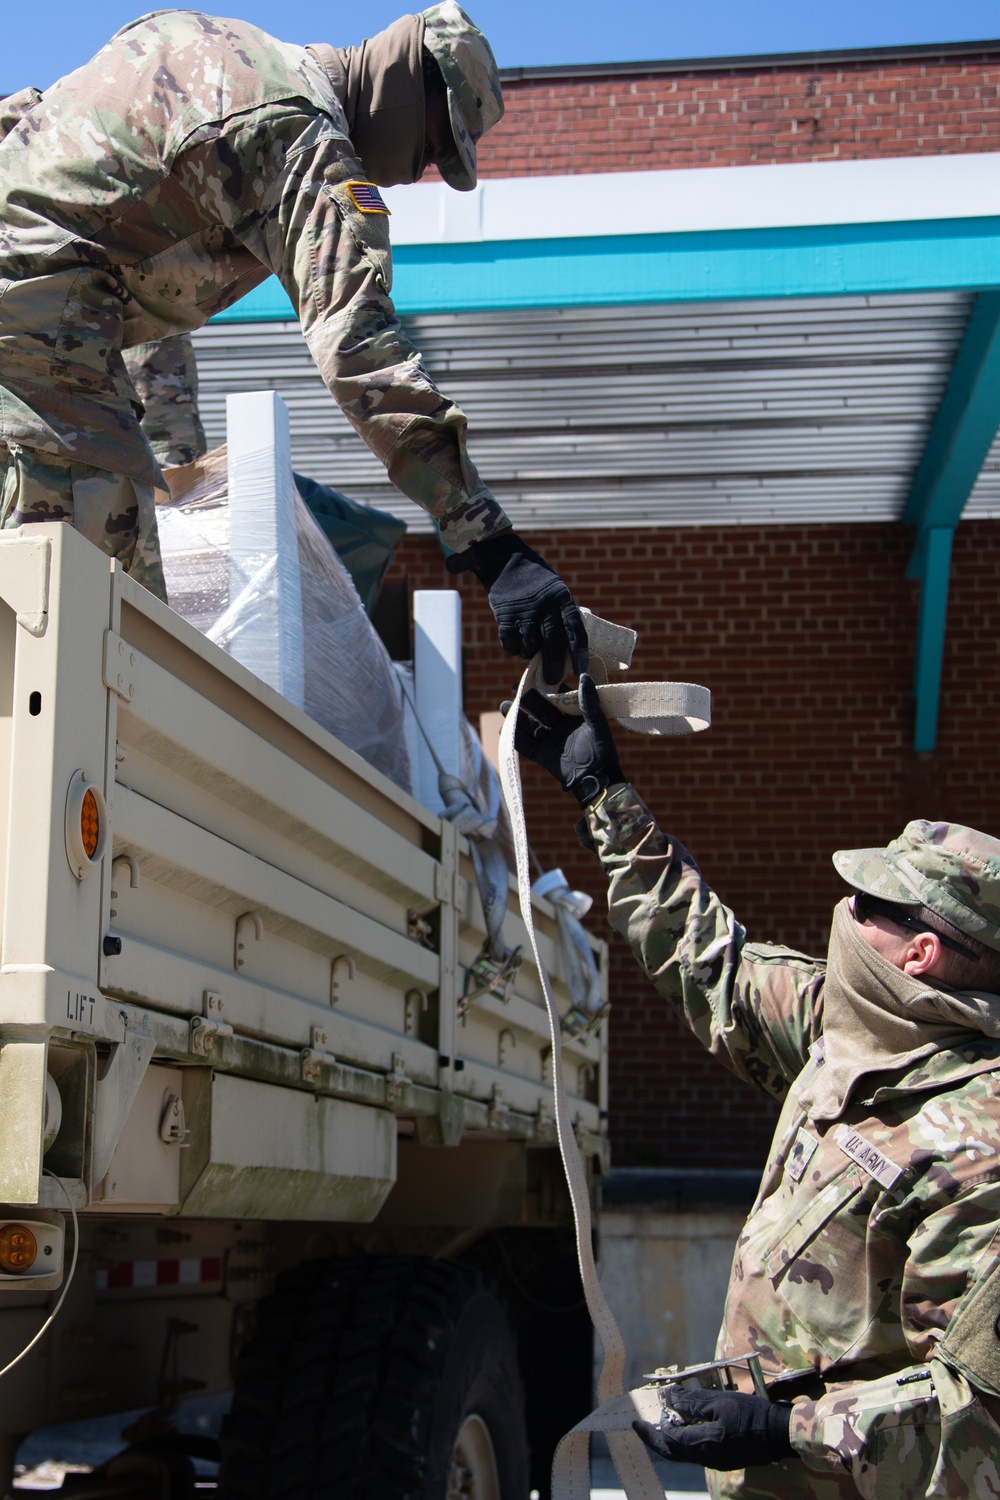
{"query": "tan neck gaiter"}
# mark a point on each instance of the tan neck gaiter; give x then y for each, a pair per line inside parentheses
(877, 1019)
(381, 87)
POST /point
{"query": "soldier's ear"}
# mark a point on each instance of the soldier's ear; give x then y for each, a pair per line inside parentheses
(923, 954)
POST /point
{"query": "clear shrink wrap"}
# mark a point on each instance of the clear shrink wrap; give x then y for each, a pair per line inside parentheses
(348, 682)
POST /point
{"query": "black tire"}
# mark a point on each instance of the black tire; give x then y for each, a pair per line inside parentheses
(359, 1378)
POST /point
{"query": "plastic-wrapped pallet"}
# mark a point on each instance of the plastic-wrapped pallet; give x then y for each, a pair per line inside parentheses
(346, 681)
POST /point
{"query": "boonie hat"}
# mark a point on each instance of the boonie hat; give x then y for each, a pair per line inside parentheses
(469, 69)
(952, 870)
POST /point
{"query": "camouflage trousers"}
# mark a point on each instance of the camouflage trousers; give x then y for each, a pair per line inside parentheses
(115, 513)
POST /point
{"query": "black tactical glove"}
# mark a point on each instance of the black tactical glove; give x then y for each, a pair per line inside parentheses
(725, 1430)
(579, 753)
(533, 607)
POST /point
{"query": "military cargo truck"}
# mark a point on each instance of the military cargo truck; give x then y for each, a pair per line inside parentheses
(240, 1095)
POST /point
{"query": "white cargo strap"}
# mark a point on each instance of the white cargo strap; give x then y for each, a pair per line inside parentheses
(646, 707)
(571, 1466)
(488, 858)
(652, 708)
(580, 972)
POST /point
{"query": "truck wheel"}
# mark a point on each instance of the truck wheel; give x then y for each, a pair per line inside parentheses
(378, 1378)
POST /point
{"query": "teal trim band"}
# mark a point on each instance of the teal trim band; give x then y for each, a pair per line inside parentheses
(812, 261)
(705, 266)
(930, 634)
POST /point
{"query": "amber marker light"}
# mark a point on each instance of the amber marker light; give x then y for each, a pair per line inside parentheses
(86, 825)
(18, 1249)
(90, 823)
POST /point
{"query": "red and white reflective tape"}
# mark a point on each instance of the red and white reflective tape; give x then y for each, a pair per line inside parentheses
(128, 1275)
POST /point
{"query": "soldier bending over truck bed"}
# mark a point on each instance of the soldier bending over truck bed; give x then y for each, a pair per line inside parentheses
(189, 160)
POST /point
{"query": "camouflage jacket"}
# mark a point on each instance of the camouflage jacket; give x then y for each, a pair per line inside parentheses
(156, 185)
(867, 1276)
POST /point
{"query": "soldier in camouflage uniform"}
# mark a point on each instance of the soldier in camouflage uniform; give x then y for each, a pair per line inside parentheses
(867, 1276)
(153, 187)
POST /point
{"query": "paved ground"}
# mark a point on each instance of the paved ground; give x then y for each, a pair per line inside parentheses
(680, 1481)
(49, 1477)
(668, 1494)
(47, 1455)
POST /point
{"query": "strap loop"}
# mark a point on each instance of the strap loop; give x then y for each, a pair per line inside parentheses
(645, 707)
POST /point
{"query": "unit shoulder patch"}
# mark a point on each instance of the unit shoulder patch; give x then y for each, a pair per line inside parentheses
(801, 1154)
(367, 197)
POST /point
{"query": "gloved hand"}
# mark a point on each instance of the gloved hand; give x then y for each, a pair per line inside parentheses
(579, 753)
(726, 1430)
(533, 607)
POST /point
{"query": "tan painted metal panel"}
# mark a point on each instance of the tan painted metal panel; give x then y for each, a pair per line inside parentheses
(144, 1168)
(49, 916)
(230, 770)
(278, 1154)
(176, 982)
(8, 635)
(153, 629)
(224, 875)
(22, 1116)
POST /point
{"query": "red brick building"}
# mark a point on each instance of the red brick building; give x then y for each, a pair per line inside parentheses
(919, 101)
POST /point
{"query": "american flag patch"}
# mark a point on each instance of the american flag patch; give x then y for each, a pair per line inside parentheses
(367, 197)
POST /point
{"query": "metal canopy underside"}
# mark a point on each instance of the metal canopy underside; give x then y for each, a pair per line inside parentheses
(985, 497)
(800, 411)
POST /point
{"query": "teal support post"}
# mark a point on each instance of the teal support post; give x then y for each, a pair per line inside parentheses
(964, 428)
(960, 438)
(930, 634)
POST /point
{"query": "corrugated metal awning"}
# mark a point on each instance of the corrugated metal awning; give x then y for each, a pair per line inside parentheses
(984, 502)
(797, 411)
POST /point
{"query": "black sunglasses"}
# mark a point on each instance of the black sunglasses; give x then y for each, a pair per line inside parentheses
(866, 906)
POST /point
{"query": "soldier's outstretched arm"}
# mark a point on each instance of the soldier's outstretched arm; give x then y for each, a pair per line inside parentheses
(327, 238)
(334, 259)
(755, 1006)
(286, 188)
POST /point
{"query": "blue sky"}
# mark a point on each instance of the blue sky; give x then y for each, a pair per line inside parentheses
(43, 40)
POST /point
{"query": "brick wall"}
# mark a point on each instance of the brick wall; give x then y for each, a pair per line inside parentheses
(732, 117)
(805, 636)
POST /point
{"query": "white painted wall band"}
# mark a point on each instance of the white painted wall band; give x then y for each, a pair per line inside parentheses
(880, 191)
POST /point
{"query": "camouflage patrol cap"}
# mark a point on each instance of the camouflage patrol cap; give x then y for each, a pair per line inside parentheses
(469, 69)
(952, 870)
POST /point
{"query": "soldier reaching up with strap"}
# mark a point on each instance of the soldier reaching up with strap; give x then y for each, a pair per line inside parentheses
(867, 1277)
(156, 185)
